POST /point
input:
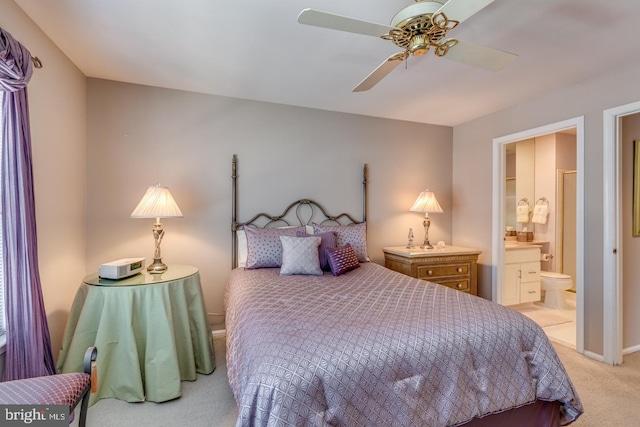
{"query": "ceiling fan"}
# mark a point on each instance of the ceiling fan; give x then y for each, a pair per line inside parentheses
(416, 29)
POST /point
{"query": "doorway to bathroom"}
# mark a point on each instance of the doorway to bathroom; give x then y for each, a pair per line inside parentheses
(555, 153)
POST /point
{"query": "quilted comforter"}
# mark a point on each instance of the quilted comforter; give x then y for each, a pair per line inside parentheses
(375, 347)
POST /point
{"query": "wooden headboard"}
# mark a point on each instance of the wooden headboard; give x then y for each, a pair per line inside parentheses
(305, 211)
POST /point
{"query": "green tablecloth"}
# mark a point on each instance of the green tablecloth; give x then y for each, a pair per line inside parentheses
(150, 337)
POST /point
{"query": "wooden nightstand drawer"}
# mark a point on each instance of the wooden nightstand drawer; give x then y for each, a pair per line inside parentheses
(453, 266)
(430, 272)
(462, 284)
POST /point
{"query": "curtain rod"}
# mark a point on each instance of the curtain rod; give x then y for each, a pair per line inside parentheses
(36, 62)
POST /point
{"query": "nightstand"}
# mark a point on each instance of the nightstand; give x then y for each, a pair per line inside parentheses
(453, 266)
(151, 331)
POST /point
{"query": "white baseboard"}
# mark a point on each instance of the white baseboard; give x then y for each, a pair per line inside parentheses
(570, 297)
(595, 356)
(630, 350)
(219, 333)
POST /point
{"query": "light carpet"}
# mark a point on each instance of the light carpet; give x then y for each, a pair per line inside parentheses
(544, 317)
(609, 395)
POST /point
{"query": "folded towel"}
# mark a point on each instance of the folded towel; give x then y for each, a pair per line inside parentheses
(540, 214)
(522, 214)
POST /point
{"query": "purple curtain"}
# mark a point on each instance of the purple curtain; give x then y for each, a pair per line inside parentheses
(28, 351)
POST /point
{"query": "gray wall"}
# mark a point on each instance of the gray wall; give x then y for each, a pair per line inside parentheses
(472, 174)
(140, 135)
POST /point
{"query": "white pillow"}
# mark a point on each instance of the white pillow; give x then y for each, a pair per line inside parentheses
(241, 238)
(300, 256)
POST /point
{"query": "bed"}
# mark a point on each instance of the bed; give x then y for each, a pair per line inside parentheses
(370, 346)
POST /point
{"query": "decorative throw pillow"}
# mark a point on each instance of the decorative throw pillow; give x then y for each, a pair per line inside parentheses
(264, 249)
(354, 234)
(327, 240)
(300, 255)
(342, 259)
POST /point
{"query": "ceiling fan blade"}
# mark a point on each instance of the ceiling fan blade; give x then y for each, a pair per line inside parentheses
(381, 72)
(461, 10)
(333, 21)
(480, 56)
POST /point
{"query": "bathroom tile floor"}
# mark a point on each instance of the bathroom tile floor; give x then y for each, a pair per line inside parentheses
(564, 332)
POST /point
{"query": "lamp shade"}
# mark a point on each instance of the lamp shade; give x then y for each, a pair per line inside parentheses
(426, 202)
(157, 202)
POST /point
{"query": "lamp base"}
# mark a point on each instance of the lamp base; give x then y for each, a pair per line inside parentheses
(426, 223)
(158, 267)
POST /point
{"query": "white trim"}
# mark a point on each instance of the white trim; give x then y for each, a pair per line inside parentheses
(499, 175)
(219, 333)
(612, 238)
(630, 350)
(594, 356)
(499, 207)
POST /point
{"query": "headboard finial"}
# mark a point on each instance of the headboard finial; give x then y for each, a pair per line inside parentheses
(365, 177)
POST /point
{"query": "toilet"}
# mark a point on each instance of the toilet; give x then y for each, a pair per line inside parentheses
(554, 285)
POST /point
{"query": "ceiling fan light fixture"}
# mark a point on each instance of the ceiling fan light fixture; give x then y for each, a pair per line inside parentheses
(419, 45)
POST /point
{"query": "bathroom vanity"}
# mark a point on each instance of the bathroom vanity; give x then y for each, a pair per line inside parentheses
(521, 274)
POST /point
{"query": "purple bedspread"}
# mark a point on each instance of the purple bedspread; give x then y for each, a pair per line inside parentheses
(375, 347)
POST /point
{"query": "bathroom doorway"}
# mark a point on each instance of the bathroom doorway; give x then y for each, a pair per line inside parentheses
(575, 241)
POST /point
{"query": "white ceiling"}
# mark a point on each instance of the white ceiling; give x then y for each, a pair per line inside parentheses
(255, 49)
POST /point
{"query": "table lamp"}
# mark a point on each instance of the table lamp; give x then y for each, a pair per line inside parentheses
(157, 203)
(426, 203)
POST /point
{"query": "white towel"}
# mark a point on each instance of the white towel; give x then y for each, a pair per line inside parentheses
(540, 214)
(522, 214)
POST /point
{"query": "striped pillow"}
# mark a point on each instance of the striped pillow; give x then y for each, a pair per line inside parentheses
(342, 259)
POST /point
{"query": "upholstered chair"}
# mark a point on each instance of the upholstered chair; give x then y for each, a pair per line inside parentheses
(61, 389)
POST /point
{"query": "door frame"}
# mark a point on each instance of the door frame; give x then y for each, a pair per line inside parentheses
(612, 238)
(499, 176)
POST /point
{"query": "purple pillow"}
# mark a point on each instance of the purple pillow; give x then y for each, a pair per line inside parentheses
(342, 259)
(264, 249)
(327, 240)
(354, 234)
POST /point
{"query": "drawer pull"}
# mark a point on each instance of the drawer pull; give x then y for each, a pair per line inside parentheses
(459, 269)
(532, 292)
(533, 272)
(459, 286)
(430, 272)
